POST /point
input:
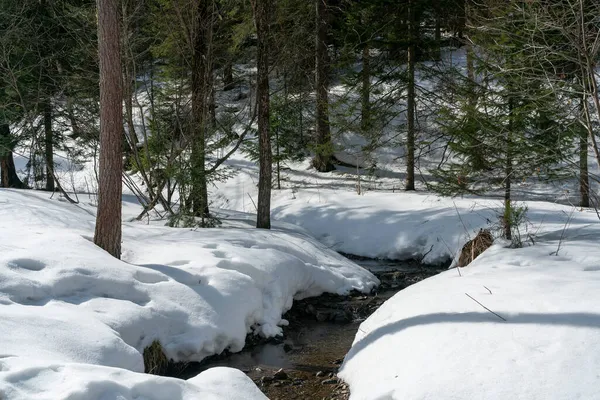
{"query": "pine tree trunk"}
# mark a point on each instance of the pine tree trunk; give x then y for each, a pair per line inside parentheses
(366, 90)
(8, 172)
(228, 76)
(200, 70)
(508, 214)
(108, 219)
(584, 184)
(49, 146)
(278, 160)
(324, 150)
(262, 8)
(410, 102)
(438, 32)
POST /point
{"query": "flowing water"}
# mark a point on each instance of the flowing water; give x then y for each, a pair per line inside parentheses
(303, 364)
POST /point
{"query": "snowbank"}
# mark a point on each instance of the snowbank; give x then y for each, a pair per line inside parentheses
(66, 303)
(432, 341)
(377, 224)
(22, 378)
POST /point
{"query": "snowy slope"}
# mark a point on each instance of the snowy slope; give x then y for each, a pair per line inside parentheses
(379, 223)
(65, 302)
(431, 341)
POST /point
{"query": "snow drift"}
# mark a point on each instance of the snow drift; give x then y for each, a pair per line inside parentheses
(67, 304)
(434, 341)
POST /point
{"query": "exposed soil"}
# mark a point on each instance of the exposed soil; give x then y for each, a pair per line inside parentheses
(303, 364)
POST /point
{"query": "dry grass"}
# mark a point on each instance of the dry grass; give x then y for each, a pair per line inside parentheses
(155, 361)
(473, 248)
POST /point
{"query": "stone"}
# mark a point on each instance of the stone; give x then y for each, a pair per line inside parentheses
(280, 375)
(323, 316)
(265, 380)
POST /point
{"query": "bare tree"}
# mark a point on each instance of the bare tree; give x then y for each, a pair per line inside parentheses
(108, 219)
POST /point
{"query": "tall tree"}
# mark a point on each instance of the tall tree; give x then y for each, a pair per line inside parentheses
(411, 97)
(324, 148)
(108, 219)
(202, 72)
(511, 128)
(262, 8)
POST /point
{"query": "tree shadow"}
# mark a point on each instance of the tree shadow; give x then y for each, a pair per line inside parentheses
(583, 320)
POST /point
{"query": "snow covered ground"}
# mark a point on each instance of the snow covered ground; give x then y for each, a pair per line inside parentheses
(433, 341)
(74, 321)
(379, 223)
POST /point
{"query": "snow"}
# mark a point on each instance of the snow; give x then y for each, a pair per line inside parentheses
(34, 379)
(432, 341)
(384, 221)
(376, 224)
(67, 307)
(74, 321)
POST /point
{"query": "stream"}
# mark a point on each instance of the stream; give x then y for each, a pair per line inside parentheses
(303, 364)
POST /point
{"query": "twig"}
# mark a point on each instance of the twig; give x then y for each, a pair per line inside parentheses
(252, 200)
(562, 235)
(425, 255)
(461, 220)
(497, 315)
(488, 289)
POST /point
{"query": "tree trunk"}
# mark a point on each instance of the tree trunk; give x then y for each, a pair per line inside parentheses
(324, 149)
(228, 76)
(278, 159)
(8, 172)
(366, 90)
(508, 214)
(200, 99)
(584, 183)
(261, 19)
(49, 146)
(438, 32)
(108, 219)
(410, 101)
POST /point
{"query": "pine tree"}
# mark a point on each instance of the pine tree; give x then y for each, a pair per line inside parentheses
(324, 147)
(262, 8)
(108, 219)
(509, 129)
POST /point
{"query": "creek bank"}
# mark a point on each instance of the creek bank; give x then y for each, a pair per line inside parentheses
(303, 363)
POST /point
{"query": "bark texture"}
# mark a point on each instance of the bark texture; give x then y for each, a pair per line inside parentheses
(410, 101)
(324, 149)
(49, 147)
(201, 85)
(108, 219)
(8, 172)
(261, 18)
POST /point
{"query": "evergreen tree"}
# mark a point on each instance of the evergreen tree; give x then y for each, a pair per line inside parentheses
(511, 129)
(108, 219)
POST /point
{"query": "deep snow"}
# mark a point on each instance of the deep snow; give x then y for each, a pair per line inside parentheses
(67, 305)
(432, 341)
